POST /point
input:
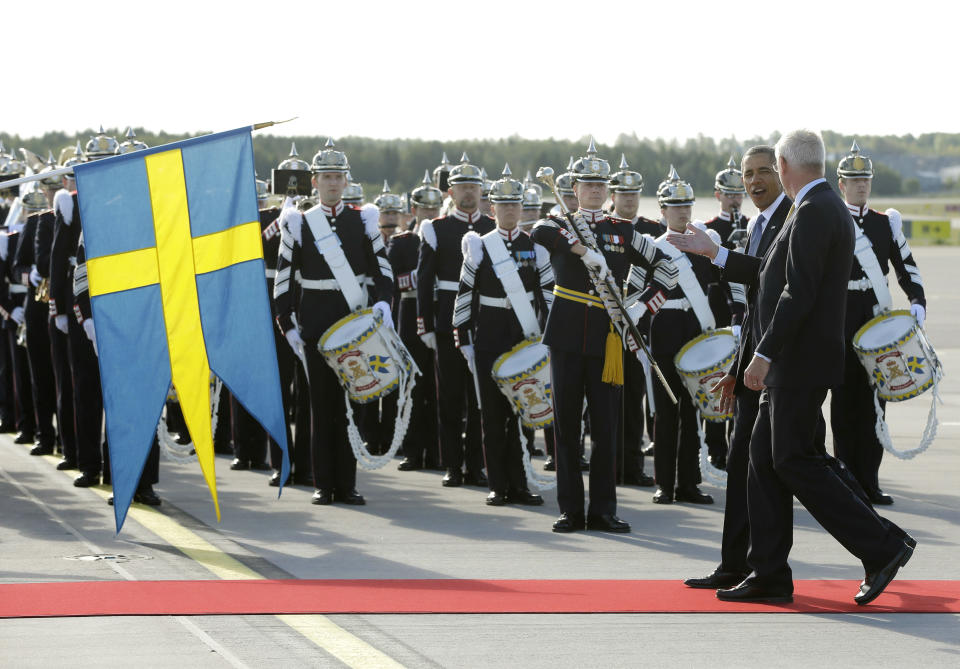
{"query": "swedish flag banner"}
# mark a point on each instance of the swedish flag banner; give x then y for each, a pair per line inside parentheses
(176, 274)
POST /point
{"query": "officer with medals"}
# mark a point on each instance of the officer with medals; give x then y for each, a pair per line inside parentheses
(88, 402)
(421, 447)
(150, 475)
(326, 253)
(250, 440)
(586, 352)
(37, 207)
(625, 188)
(438, 276)
(505, 280)
(880, 245)
(684, 315)
(727, 300)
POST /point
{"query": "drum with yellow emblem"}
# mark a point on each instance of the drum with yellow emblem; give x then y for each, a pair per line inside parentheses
(702, 362)
(523, 375)
(899, 360)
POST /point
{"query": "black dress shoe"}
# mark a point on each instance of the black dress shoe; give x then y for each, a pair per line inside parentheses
(65, 465)
(408, 465)
(641, 479)
(87, 480)
(524, 497)
(110, 500)
(607, 522)
(274, 481)
(23, 438)
(322, 497)
(880, 498)
(692, 495)
(7, 427)
(876, 582)
(720, 462)
(453, 478)
(351, 497)
(239, 464)
(496, 498)
(569, 522)
(584, 465)
(663, 496)
(476, 479)
(536, 452)
(717, 580)
(42, 449)
(260, 466)
(147, 496)
(752, 592)
(550, 465)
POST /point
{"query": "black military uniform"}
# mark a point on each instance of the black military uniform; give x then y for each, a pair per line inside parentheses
(721, 298)
(319, 305)
(484, 319)
(438, 274)
(852, 413)
(37, 334)
(577, 328)
(13, 297)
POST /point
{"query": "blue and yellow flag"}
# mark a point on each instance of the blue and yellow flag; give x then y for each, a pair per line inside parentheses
(176, 274)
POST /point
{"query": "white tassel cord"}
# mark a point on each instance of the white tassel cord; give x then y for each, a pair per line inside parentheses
(175, 452)
(366, 460)
(717, 477)
(929, 432)
(538, 481)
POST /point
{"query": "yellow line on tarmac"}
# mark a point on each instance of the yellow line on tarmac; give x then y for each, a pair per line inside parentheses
(346, 647)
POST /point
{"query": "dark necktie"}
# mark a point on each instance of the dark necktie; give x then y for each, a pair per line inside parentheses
(755, 235)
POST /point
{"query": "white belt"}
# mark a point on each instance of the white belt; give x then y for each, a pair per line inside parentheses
(408, 295)
(863, 284)
(17, 289)
(327, 284)
(501, 302)
(271, 273)
(448, 285)
(682, 304)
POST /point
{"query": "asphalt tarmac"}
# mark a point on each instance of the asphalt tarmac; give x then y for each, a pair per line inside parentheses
(414, 528)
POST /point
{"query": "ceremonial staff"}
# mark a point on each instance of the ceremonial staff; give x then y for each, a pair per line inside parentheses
(605, 286)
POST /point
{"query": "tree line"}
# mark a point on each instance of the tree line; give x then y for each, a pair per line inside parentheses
(402, 161)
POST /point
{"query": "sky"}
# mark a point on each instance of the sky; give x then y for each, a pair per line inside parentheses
(458, 70)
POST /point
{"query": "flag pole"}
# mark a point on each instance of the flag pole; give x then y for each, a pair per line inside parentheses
(267, 124)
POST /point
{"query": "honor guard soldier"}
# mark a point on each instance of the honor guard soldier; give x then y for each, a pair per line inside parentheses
(441, 179)
(438, 275)
(532, 203)
(585, 351)
(88, 402)
(421, 447)
(150, 475)
(250, 440)
(880, 244)
(485, 203)
(684, 315)
(37, 207)
(325, 256)
(564, 185)
(625, 188)
(14, 294)
(506, 279)
(728, 301)
(10, 168)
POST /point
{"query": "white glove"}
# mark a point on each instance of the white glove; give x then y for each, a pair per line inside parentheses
(632, 344)
(295, 340)
(916, 309)
(429, 340)
(736, 330)
(35, 277)
(17, 315)
(466, 350)
(595, 260)
(384, 309)
(60, 321)
(91, 333)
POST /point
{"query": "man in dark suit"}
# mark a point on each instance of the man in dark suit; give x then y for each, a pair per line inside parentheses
(799, 309)
(762, 184)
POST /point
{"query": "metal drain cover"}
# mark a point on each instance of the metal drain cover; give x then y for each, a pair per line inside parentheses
(107, 557)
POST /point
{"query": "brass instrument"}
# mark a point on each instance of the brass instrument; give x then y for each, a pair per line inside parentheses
(42, 293)
(604, 285)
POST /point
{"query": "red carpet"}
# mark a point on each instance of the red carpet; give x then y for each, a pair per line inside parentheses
(127, 598)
